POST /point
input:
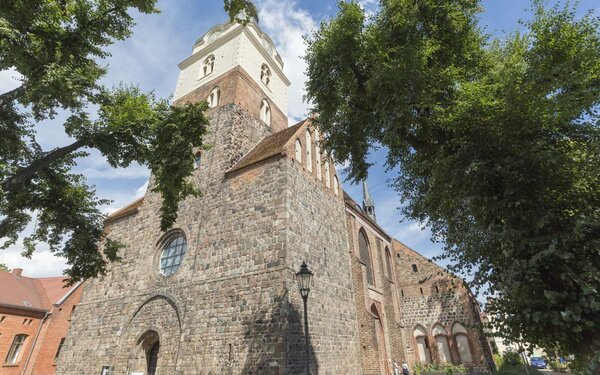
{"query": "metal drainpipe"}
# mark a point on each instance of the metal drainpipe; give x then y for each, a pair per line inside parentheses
(46, 315)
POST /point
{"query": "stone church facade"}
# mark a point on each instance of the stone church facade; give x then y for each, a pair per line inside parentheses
(217, 293)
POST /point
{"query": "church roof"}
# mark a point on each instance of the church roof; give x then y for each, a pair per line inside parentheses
(270, 146)
(125, 211)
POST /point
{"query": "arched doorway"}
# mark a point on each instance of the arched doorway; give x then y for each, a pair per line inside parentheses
(383, 358)
(152, 358)
(149, 348)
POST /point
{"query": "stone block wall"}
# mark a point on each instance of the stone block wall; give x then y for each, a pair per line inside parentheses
(229, 278)
(317, 234)
(430, 296)
(233, 305)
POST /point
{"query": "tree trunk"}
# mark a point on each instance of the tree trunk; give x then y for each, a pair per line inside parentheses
(25, 174)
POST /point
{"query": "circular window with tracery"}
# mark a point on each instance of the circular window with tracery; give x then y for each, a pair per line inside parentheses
(172, 255)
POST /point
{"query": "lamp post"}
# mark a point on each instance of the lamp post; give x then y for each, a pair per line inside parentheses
(303, 277)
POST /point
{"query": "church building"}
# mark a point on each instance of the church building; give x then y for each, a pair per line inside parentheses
(217, 294)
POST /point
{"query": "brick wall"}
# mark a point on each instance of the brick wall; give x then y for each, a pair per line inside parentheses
(16, 322)
(377, 357)
(239, 88)
(54, 330)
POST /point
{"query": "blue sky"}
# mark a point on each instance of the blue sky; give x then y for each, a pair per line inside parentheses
(159, 42)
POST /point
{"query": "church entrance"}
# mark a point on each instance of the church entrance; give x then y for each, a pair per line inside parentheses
(383, 362)
(152, 358)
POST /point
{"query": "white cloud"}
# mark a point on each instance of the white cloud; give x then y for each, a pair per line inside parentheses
(141, 191)
(286, 24)
(9, 79)
(43, 263)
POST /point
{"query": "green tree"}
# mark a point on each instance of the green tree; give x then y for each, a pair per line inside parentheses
(58, 47)
(241, 11)
(495, 143)
(3, 267)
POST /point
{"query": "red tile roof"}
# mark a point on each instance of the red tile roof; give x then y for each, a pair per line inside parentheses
(31, 294)
(268, 147)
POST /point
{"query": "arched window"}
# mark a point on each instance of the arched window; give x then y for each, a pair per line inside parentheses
(327, 175)
(208, 66)
(441, 343)
(308, 151)
(388, 263)
(365, 256)
(420, 336)
(265, 75)
(197, 160)
(16, 349)
(298, 146)
(461, 337)
(336, 185)
(172, 255)
(213, 98)
(318, 155)
(265, 112)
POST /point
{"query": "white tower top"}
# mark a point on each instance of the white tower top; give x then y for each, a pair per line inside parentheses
(227, 46)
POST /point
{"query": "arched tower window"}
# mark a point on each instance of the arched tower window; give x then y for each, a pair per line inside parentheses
(327, 175)
(388, 263)
(172, 255)
(298, 146)
(365, 254)
(318, 155)
(441, 343)
(308, 151)
(461, 337)
(422, 342)
(265, 112)
(213, 97)
(265, 75)
(208, 66)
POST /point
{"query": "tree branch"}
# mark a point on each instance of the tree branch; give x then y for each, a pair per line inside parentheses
(11, 95)
(25, 174)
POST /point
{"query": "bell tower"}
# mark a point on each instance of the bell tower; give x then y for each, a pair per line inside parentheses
(236, 63)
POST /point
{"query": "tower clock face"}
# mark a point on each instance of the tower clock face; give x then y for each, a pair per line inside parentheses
(213, 36)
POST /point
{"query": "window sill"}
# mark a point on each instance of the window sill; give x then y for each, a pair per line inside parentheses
(12, 365)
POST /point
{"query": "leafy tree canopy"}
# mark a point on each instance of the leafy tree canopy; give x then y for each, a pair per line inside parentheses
(57, 47)
(3, 267)
(496, 144)
(241, 11)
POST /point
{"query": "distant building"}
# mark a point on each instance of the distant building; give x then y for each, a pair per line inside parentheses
(34, 319)
(217, 294)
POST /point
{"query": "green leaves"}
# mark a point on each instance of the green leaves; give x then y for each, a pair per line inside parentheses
(497, 144)
(242, 11)
(57, 47)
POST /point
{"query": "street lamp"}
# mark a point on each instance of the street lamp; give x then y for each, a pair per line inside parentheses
(304, 277)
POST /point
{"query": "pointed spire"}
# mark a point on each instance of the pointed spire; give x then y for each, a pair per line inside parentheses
(368, 205)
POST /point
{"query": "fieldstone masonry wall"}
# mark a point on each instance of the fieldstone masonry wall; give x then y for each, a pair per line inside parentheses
(430, 296)
(233, 305)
